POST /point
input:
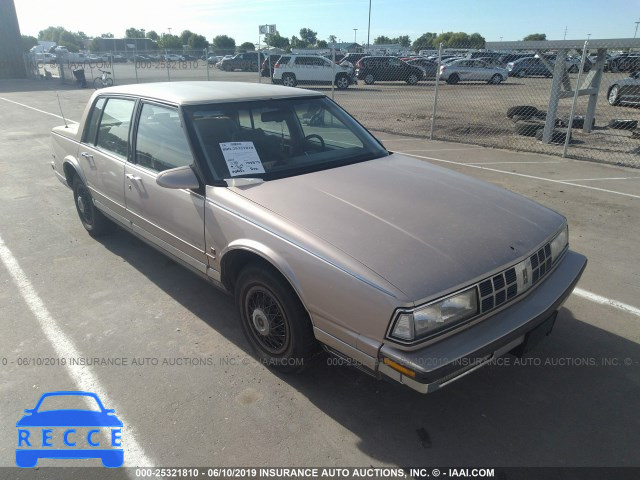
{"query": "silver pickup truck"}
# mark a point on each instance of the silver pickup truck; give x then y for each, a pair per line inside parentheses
(326, 239)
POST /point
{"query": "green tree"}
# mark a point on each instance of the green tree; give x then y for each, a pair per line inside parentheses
(403, 40)
(246, 47)
(184, 36)
(28, 41)
(309, 36)
(535, 36)
(477, 41)
(197, 42)
(460, 40)
(224, 42)
(276, 40)
(171, 42)
(153, 35)
(322, 44)
(107, 35)
(382, 40)
(424, 42)
(134, 33)
(333, 39)
(62, 37)
(297, 42)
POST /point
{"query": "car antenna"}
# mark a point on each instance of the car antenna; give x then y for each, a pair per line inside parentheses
(60, 105)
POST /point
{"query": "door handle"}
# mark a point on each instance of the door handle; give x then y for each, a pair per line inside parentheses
(89, 158)
(130, 176)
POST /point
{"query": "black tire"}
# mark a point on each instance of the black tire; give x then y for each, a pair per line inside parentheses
(613, 95)
(289, 80)
(453, 79)
(342, 82)
(578, 122)
(557, 136)
(573, 69)
(521, 74)
(97, 83)
(93, 220)
(369, 79)
(623, 124)
(267, 304)
(528, 128)
(496, 79)
(522, 110)
(412, 79)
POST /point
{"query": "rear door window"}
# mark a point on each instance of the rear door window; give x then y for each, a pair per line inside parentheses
(113, 132)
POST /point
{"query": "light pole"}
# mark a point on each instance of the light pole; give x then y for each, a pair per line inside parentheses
(355, 35)
(369, 27)
(636, 32)
(169, 28)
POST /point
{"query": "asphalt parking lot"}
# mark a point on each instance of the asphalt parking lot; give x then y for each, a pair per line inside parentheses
(575, 402)
(469, 112)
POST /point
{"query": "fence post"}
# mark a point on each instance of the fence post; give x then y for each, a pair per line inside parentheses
(135, 60)
(113, 69)
(575, 98)
(435, 97)
(166, 62)
(333, 73)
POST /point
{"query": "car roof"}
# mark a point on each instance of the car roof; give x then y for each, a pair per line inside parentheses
(194, 92)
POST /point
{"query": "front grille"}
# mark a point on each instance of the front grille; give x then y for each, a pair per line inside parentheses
(498, 289)
(502, 287)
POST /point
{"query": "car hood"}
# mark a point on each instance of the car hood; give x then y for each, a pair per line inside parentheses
(423, 228)
(69, 418)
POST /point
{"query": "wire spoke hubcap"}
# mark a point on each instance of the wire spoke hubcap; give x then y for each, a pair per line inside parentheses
(267, 321)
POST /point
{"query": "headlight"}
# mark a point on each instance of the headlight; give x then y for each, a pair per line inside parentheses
(559, 243)
(435, 316)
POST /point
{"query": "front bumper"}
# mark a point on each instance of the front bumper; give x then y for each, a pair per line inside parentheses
(457, 355)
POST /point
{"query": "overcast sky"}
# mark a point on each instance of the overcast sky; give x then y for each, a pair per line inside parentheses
(494, 19)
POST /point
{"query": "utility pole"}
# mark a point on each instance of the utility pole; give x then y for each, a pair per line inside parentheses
(565, 33)
(355, 35)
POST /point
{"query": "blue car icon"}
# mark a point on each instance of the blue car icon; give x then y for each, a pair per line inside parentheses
(81, 431)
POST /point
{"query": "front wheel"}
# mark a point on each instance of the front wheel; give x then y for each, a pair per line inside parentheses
(108, 82)
(614, 95)
(453, 79)
(369, 79)
(273, 319)
(93, 220)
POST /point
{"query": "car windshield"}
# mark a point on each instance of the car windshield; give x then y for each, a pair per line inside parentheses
(272, 139)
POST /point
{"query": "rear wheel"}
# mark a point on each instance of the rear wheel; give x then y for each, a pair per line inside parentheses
(412, 79)
(453, 79)
(369, 79)
(289, 80)
(342, 82)
(496, 79)
(93, 220)
(273, 319)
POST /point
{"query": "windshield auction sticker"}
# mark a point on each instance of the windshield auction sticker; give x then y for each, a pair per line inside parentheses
(241, 158)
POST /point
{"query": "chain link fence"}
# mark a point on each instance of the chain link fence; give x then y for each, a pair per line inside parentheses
(508, 96)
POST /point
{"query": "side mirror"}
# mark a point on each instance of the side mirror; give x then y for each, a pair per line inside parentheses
(178, 178)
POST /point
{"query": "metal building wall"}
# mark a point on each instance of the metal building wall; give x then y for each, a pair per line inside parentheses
(11, 59)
